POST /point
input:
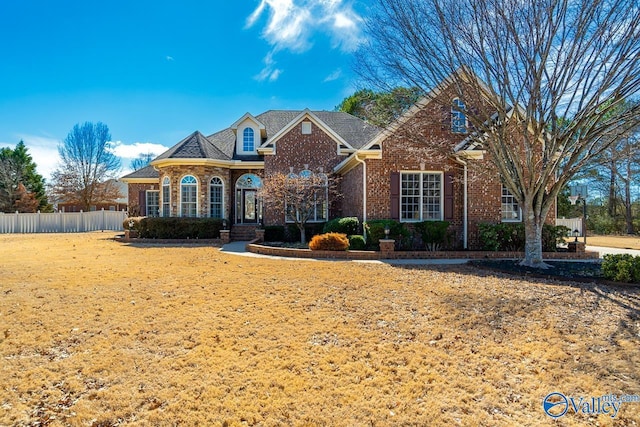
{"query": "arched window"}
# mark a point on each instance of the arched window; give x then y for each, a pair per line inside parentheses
(216, 198)
(458, 117)
(166, 197)
(248, 142)
(189, 196)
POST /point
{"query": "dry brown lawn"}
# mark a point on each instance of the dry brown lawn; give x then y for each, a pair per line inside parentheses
(623, 242)
(96, 332)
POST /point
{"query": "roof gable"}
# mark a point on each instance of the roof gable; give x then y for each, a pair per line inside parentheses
(195, 146)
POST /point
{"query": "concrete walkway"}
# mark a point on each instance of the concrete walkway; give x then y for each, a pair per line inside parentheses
(603, 251)
(239, 248)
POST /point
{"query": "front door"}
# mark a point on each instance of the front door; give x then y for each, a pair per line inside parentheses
(249, 206)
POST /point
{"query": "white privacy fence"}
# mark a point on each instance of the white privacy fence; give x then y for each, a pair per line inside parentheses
(571, 224)
(62, 222)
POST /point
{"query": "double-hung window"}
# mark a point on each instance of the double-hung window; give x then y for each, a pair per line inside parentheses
(166, 197)
(189, 196)
(421, 196)
(216, 197)
(153, 205)
(511, 211)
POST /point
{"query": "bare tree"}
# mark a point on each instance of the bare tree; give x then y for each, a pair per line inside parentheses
(300, 197)
(524, 65)
(142, 160)
(86, 165)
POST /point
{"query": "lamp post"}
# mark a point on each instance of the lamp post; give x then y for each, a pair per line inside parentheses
(576, 233)
(579, 193)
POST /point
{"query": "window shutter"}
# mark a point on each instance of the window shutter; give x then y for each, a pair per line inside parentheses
(395, 196)
(142, 202)
(448, 196)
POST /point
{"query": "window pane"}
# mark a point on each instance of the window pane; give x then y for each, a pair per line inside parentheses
(410, 197)
(247, 140)
(510, 209)
(215, 198)
(153, 203)
(431, 196)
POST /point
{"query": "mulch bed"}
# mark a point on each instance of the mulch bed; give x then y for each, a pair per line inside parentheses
(584, 272)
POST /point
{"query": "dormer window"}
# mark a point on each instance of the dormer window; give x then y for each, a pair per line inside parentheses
(248, 140)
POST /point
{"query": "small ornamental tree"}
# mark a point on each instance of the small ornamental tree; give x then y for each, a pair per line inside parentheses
(302, 197)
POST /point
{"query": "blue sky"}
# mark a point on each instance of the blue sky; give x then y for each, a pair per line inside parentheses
(155, 71)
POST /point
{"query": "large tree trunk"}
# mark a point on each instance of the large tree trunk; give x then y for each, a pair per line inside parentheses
(611, 207)
(627, 199)
(303, 234)
(533, 239)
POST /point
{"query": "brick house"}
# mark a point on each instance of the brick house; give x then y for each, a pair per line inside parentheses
(422, 167)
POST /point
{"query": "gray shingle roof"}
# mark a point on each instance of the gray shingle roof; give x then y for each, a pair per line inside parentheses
(221, 145)
(195, 146)
(145, 172)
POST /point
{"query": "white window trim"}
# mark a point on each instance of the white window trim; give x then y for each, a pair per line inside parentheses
(421, 219)
(306, 128)
(166, 183)
(146, 196)
(222, 196)
(503, 219)
(241, 149)
(197, 185)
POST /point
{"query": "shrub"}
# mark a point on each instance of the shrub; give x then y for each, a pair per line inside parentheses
(357, 242)
(375, 232)
(508, 236)
(274, 233)
(621, 268)
(349, 225)
(132, 223)
(552, 236)
(180, 228)
(433, 234)
(329, 242)
(292, 232)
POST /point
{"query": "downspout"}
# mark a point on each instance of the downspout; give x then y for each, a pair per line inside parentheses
(364, 193)
(465, 204)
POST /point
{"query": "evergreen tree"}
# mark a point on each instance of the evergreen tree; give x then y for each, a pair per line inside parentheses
(18, 168)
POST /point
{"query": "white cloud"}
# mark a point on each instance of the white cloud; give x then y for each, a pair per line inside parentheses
(291, 25)
(169, 58)
(131, 151)
(269, 72)
(333, 76)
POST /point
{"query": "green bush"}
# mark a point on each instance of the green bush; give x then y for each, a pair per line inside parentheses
(349, 225)
(180, 228)
(329, 242)
(621, 268)
(357, 242)
(433, 234)
(274, 233)
(509, 236)
(375, 232)
(552, 236)
(132, 223)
